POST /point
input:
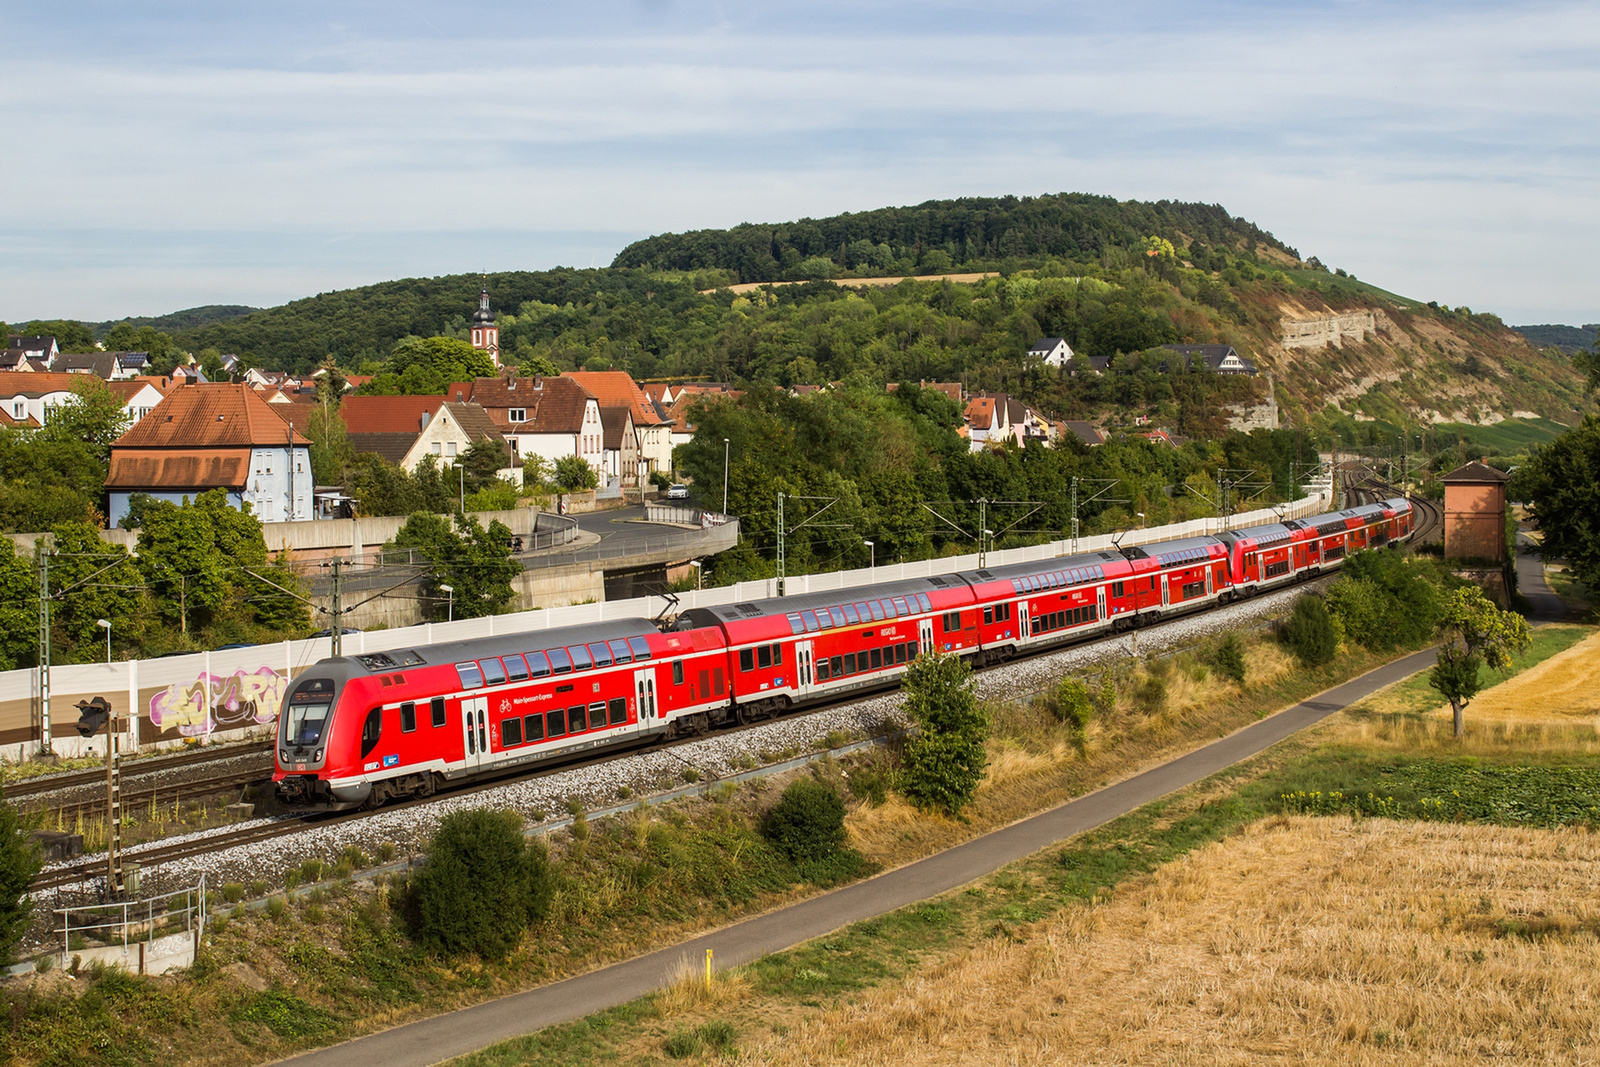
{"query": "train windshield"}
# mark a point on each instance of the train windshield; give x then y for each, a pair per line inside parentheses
(306, 720)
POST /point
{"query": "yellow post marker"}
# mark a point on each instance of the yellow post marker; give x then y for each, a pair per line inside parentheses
(708, 969)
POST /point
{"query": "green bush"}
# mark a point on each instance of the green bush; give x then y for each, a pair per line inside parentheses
(1309, 633)
(482, 884)
(1228, 659)
(945, 761)
(1072, 704)
(1382, 602)
(807, 822)
(19, 862)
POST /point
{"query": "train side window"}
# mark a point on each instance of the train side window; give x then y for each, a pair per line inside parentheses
(850, 614)
(797, 625)
(597, 714)
(601, 654)
(538, 664)
(849, 663)
(471, 677)
(510, 732)
(677, 672)
(810, 618)
(516, 668)
(560, 661)
(837, 666)
(922, 598)
(436, 706)
(988, 617)
(371, 730)
(555, 723)
(580, 657)
(617, 709)
(863, 612)
(576, 719)
(877, 658)
(493, 673)
(747, 659)
(620, 652)
(1116, 588)
(641, 648)
(876, 607)
(825, 619)
(533, 728)
(764, 656)
(822, 669)
(777, 655)
(408, 717)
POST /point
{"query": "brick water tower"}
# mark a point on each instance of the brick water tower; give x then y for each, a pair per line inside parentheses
(1475, 513)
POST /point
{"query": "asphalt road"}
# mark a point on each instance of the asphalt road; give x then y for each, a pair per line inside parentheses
(456, 1033)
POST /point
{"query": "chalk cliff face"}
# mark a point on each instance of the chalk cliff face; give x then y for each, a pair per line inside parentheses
(1408, 364)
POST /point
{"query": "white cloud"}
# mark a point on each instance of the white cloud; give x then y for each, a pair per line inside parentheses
(1427, 148)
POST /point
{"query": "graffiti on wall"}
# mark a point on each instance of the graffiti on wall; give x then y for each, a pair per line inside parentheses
(219, 702)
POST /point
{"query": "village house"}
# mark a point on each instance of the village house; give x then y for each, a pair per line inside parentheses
(1053, 350)
(1220, 358)
(205, 436)
(617, 389)
(404, 429)
(28, 353)
(547, 417)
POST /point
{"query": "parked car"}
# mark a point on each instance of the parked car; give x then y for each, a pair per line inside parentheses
(677, 491)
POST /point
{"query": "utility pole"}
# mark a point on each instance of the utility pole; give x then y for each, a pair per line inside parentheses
(983, 532)
(1222, 497)
(45, 748)
(338, 612)
(1105, 484)
(781, 560)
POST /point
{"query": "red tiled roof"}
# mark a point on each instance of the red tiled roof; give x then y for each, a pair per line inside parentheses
(178, 468)
(980, 411)
(615, 389)
(209, 416)
(38, 383)
(551, 404)
(387, 414)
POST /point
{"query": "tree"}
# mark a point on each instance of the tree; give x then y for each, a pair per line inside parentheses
(71, 336)
(945, 761)
(574, 473)
(482, 885)
(476, 563)
(19, 608)
(807, 822)
(435, 362)
(1474, 634)
(1309, 633)
(1561, 485)
(331, 451)
(19, 862)
(1384, 602)
(483, 463)
(97, 580)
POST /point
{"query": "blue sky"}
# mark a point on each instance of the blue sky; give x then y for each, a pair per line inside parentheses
(165, 155)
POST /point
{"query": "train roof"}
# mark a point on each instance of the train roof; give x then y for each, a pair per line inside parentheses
(1093, 566)
(1266, 536)
(1171, 553)
(499, 645)
(722, 614)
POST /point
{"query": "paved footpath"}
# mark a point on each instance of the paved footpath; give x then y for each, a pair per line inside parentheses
(456, 1033)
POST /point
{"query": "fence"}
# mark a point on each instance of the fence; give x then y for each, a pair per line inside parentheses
(233, 693)
(149, 936)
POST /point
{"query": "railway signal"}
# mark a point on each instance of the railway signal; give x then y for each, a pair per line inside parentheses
(92, 715)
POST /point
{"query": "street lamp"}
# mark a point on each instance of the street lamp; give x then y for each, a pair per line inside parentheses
(1141, 519)
(106, 626)
(724, 475)
(699, 574)
(450, 604)
(872, 550)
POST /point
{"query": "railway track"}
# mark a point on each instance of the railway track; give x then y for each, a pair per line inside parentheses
(138, 797)
(132, 770)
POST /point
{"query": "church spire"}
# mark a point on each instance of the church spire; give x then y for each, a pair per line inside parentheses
(485, 334)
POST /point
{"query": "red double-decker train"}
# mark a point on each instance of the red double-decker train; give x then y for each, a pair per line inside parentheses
(360, 730)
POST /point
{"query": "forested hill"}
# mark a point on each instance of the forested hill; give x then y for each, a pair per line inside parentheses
(972, 233)
(181, 320)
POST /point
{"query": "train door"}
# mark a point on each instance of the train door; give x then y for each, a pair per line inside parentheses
(644, 695)
(1211, 586)
(475, 729)
(1022, 622)
(925, 634)
(1166, 592)
(1100, 603)
(805, 667)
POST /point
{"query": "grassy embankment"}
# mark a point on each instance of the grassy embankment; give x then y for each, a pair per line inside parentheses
(1212, 926)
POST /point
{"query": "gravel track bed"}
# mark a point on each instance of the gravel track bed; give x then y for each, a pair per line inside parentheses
(547, 798)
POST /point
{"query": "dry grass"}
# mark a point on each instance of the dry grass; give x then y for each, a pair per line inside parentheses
(1562, 689)
(1299, 941)
(688, 991)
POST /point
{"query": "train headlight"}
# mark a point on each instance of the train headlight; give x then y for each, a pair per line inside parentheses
(283, 755)
(318, 757)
